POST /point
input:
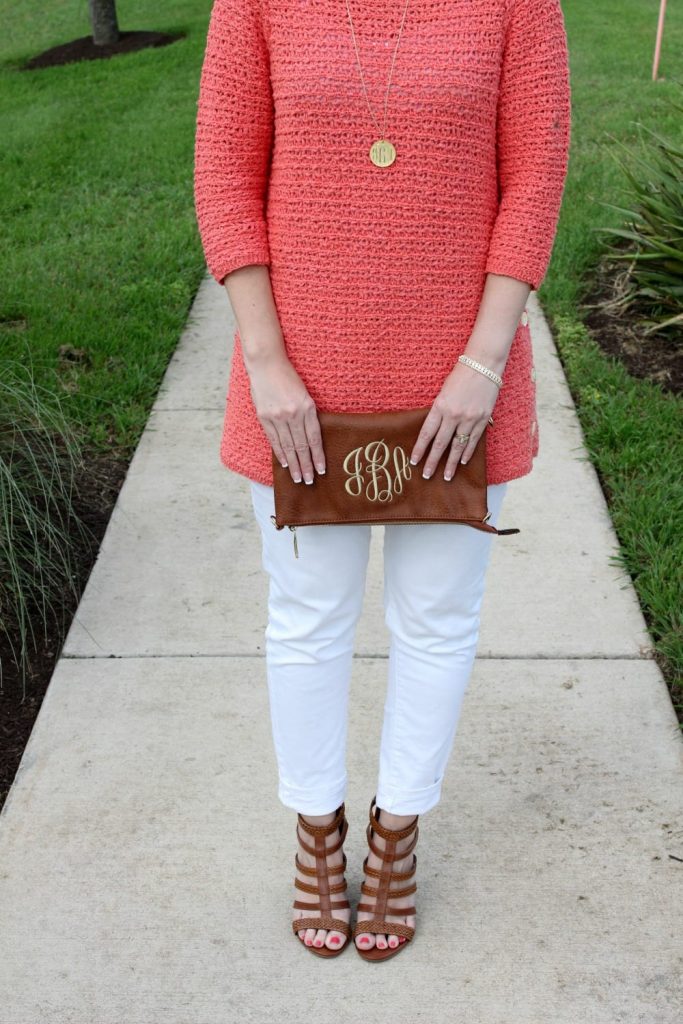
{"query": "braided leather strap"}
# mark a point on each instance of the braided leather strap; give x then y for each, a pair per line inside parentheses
(335, 924)
(379, 927)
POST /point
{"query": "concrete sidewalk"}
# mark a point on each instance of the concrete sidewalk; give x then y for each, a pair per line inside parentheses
(146, 864)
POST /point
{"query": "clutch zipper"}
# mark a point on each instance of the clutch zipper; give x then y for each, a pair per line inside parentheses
(512, 529)
(293, 529)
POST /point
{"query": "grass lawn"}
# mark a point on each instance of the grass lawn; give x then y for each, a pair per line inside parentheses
(101, 250)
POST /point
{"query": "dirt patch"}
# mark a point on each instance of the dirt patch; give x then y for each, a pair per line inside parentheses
(655, 357)
(84, 49)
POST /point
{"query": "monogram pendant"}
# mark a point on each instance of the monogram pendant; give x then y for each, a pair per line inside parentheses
(382, 153)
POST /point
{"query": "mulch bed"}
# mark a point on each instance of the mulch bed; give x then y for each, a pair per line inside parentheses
(85, 49)
(657, 357)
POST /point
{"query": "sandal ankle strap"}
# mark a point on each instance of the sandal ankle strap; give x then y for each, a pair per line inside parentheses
(324, 830)
(328, 849)
(390, 834)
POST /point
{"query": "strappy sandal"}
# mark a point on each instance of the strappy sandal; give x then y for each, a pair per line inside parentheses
(323, 890)
(378, 925)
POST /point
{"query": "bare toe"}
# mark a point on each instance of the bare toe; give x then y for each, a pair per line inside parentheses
(365, 940)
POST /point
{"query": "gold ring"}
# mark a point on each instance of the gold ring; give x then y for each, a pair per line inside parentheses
(491, 420)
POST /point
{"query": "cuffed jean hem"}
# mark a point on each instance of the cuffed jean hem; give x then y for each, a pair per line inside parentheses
(408, 801)
(306, 802)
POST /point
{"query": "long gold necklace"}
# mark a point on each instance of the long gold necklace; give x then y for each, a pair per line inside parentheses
(382, 152)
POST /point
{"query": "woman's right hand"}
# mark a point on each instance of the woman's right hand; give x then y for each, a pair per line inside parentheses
(288, 415)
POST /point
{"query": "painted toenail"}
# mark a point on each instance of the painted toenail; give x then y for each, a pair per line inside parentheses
(334, 938)
(365, 941)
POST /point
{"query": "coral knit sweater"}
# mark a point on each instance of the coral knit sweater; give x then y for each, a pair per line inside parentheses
(377, 272)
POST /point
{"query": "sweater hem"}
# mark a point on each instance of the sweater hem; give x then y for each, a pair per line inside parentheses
(245, 469)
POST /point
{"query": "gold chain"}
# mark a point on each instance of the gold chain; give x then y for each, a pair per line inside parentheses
(382, 152)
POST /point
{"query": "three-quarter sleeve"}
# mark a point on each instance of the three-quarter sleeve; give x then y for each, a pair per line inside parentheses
(532, 140)
(233, 139)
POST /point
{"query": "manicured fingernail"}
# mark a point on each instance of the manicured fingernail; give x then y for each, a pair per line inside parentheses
(297, 479)
(321, 470)
(413, 462)
(309, 479)
(427, 473)
(464, 461)
(284, 465)
(447, 476)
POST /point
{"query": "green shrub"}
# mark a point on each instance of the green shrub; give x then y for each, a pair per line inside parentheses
(654, 277)
(39, 529)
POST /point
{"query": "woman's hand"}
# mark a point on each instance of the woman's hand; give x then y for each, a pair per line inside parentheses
(288, 415)
(463, 406)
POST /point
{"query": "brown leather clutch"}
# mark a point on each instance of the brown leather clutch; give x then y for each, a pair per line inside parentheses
(369, 478)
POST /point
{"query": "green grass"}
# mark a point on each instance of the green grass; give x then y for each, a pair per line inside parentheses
(99, 239)
(101, 249)
(632, 433)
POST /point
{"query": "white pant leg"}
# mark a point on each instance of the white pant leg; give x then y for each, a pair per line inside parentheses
(314, 603)
(434, 576)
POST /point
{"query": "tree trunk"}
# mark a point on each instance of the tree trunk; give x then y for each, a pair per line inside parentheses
(105, 26)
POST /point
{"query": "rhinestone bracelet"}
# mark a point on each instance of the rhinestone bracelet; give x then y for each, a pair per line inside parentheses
(482, 369)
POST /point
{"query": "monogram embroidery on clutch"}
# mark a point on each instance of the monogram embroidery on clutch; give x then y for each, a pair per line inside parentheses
(384, 481)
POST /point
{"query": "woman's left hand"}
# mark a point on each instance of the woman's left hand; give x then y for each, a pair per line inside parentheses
(463, 406)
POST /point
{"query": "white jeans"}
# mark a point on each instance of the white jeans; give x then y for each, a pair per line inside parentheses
(434, 577)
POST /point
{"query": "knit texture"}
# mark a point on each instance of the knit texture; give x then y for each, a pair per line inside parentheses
(377, 272)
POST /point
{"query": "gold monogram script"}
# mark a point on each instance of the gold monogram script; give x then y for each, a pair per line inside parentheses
(384, 469)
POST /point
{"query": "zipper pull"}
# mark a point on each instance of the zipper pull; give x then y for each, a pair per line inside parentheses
(293, 529)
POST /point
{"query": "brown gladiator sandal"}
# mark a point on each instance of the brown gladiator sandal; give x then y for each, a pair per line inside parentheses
(323, 889)
(377, 925)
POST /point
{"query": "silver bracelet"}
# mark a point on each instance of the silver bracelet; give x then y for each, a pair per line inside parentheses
(491, 374)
